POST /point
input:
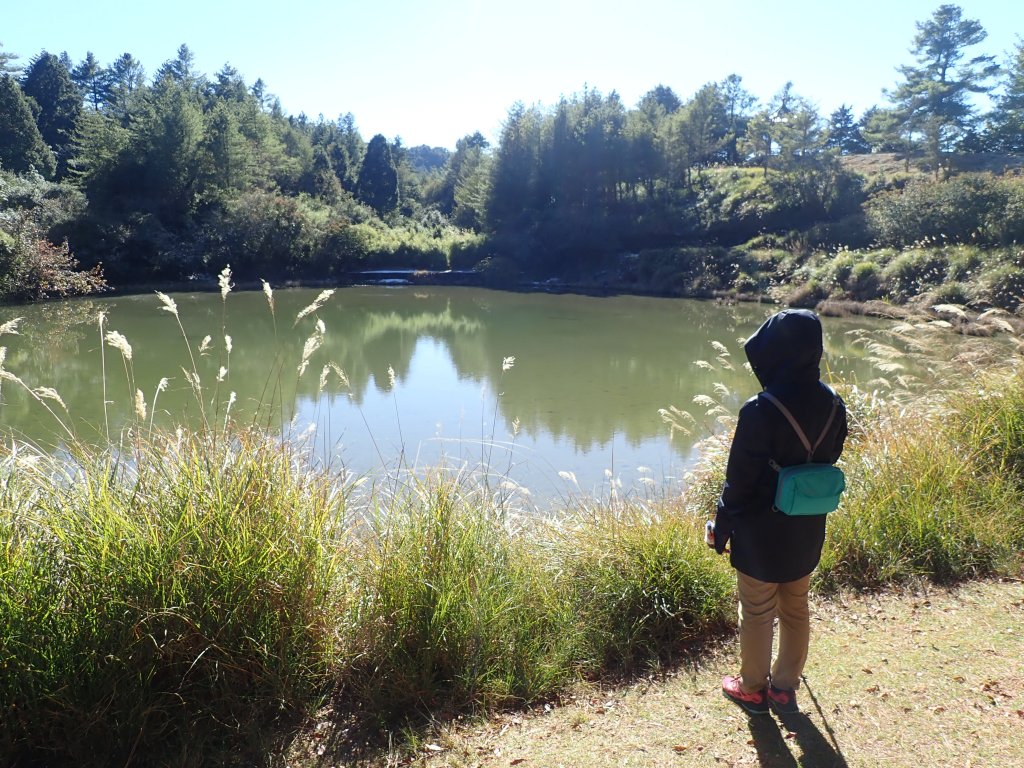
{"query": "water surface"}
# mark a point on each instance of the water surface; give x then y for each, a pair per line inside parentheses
(430, 377)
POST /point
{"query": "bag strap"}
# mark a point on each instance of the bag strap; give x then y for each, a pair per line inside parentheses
(796, 425)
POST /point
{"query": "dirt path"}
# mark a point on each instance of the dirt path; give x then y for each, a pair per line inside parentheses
(928, 679)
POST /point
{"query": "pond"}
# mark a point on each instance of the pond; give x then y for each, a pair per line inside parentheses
(554, 395)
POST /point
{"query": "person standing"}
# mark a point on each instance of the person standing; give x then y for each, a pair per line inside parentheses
(773, 553)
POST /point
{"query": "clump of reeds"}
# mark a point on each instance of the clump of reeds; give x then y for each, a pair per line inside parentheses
(456, 608)
(644, 586)
(164, 609)
(936, 486)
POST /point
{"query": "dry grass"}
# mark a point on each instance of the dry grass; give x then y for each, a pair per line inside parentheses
(927, 678)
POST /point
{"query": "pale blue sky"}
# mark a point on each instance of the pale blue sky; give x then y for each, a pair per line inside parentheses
(434, 70)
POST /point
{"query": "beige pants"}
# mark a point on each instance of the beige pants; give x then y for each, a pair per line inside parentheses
(760, 603)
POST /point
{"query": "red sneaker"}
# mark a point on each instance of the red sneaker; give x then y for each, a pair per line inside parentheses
(755, 703)
(782, 700)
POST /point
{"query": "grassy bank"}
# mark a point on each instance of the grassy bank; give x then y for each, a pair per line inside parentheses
(904, 679)
(191, 598)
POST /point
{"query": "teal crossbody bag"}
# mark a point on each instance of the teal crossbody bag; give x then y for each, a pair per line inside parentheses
(810, 488)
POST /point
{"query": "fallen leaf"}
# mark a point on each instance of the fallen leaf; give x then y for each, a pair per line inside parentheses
(938, 710)
(517, 761)
(872, 689)
(434, 748)
(681, 747)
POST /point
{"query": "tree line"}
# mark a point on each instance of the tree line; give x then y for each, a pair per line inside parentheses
(171, 176)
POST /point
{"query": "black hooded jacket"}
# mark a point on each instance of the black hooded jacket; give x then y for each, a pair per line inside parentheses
(784, 353)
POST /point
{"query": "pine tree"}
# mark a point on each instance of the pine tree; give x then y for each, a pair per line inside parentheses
(378, 177)
(127, 79)
(21, 145)
(7, 65)
(933, 98)
(93, 81)
(1006, 123)
(48, 81)
(843, 134)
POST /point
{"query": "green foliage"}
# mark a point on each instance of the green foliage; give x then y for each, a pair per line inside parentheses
(49, 83)
(1006, 127)
(454, 610)
(939, 498)
(1003, 286)
(33, 215)
(21, 145)
(933, 99)
(378, 177)
(263, 235)
(159, 611)
(964, 209)
(646, 588)
(913, 272)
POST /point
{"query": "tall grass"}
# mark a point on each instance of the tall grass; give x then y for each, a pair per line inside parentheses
(166, 609)
(644, 587)
(455, 607)
(936, 488)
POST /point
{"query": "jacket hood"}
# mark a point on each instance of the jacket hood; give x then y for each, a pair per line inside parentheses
(786, 348)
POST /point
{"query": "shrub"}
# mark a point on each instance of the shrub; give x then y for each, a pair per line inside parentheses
(807, 295)
(864, 281)
(912, 272)
(951, 293)
(32, 268)
(1003, 287)
(956, 210)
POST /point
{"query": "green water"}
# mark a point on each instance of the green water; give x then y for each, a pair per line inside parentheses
(577, 411)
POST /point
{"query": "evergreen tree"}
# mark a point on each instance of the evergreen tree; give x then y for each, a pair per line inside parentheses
(49, 83)
(797, 130)
(93, 81)
(843, 134)
(738, 103)
(172, 163)
(325, 184)
(699, 132)
(884, 130)
(226, 150)
(378, 177)
(229, 85)
(7, 65)
(933, 98)
(98, 146)
(464, 162)
(1006, 123)
(472, 190)
(127, 81)
(658, 102)
(514, 175)
(21, 145)
(259, 92)
(347, 153)
(643, 159)
(181, 69)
